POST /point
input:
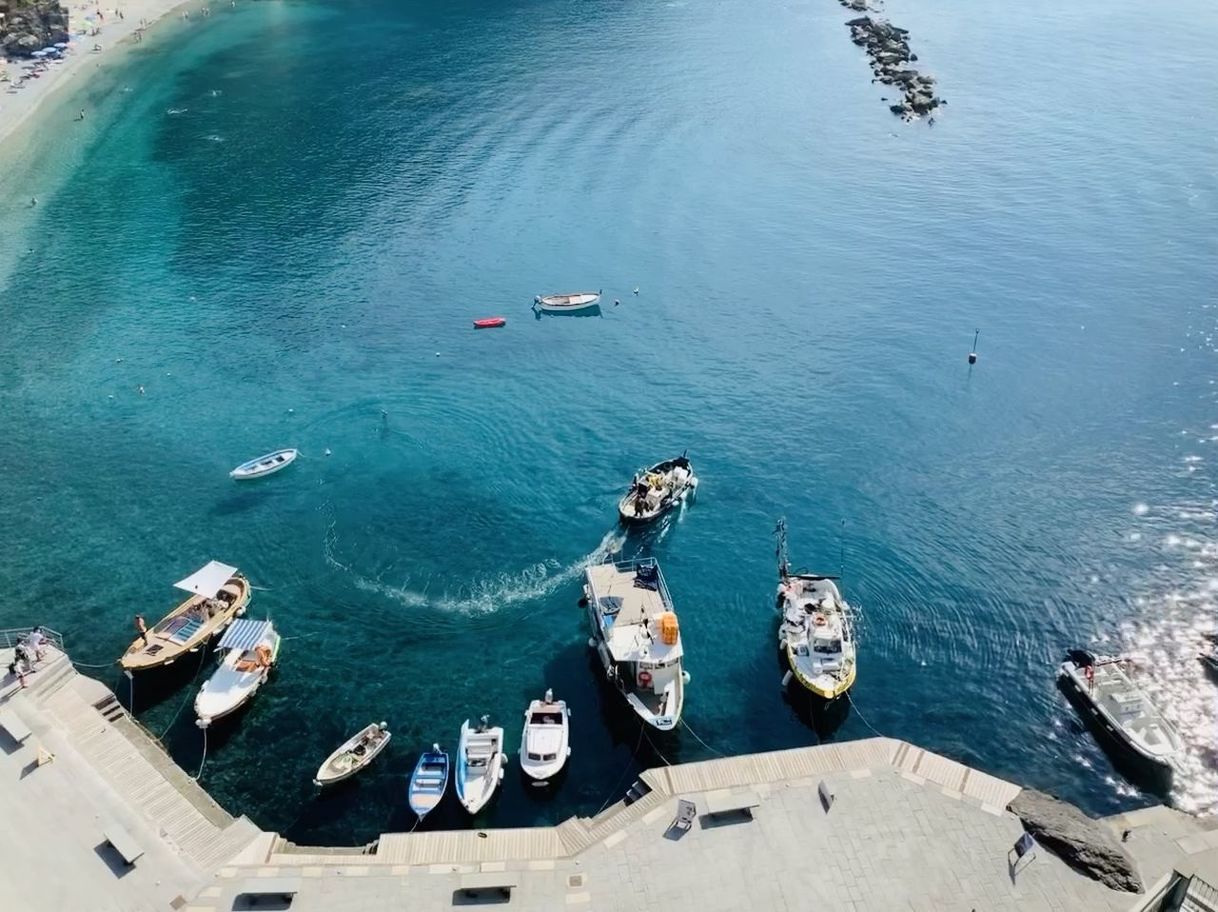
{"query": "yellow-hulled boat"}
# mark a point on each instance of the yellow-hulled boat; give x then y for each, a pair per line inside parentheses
(816, 634)
(219, 593)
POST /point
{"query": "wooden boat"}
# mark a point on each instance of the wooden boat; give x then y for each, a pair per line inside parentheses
(428, 782)
(1122, 710)
(480, 762)
(251, 649)
(264, 465)
(218, 595)
(545, 743)
(567, 303)
(355, 753)
(655, 491)
(490, 322)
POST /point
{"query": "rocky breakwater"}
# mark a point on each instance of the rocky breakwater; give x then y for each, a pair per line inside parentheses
(888, 48)
(31, 25)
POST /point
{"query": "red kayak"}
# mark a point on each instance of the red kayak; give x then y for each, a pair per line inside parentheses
(490, 322)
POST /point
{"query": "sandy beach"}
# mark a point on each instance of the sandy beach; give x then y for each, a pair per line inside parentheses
(114, 36)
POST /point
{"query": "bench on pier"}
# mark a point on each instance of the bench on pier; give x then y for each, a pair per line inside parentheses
(502, 883)
(16, 729)
(732, 802)
(284, 888)
(123, 843)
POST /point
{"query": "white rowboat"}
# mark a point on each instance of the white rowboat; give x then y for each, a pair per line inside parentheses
(264, 465)
(356, 752)
(567, 303)
(480, 763)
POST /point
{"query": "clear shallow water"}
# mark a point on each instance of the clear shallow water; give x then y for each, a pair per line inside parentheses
(345, 187)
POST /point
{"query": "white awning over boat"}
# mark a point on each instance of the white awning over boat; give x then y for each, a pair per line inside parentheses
(207, 581)
(244, 634)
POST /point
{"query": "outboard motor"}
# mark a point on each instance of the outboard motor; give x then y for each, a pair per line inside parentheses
(1080, 657)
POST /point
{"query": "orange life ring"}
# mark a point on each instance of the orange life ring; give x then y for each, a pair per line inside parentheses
(819, 620)
(644, 678)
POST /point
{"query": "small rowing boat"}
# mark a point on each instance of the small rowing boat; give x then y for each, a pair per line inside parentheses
(480, 762)
(428, 782)
(356, 752)
(567, 303)
(264, 465)
(544, 744)
(252, 647)
(490, 322)
(655, 491)
(218, 593)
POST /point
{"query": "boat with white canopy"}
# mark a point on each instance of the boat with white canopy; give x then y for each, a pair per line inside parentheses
(545, 742)
(251, 649)
(355, 753)
(567, 303)
(480, 762)
(264, 465)
(655, 491)
(1123, 711)
(218, 594)
(636, 635)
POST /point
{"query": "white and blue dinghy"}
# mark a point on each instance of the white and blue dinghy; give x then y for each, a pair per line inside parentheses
(251, 649)
(264, 465)
(480, 763)
(428, 782)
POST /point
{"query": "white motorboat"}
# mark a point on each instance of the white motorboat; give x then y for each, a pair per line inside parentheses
(567, 303)
(251, 649)
(544, 745)
(637, 637)
(355, 753)
(428, 782)
(264, 465)
(816, 633)
(480, 762)
(1120, 707)
(657, 490)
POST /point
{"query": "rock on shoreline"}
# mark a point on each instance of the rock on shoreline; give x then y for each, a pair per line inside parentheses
(31, 25)
(888, 48)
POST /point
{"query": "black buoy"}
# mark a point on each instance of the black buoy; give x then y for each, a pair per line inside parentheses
(972, 356)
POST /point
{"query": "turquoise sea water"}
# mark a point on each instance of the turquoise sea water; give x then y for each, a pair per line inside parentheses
(342, 187)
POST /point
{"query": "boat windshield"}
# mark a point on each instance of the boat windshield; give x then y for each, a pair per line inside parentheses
(826, 645)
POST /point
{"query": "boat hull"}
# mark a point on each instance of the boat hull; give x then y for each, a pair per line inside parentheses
(325, 776)
(428, 783)
(1111, 735)
(627, 513)
(160, 650)
(213, 710)
(476, 789)
(264, 465)
(821, 685)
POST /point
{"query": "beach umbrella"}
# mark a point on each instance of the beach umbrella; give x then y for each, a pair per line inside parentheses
(61, 45)
(39, 54)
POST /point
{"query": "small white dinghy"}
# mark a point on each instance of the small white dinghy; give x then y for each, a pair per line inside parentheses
(544, 746)
(252, 648)
(264, 465)
(567, 303)
(356, 752)
(1121, 708)
(480, 762)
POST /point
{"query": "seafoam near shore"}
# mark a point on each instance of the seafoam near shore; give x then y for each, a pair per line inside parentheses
(115, 36)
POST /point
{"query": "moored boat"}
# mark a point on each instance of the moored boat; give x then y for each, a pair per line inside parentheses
(489, 322)
(218, 594)
(428, 782)
(480, 762)
(251, 649)
(636, 635)
(567, 303)
(355, 753)
(1123, 711)
(545, 742)
(262, 466)
(655, 491)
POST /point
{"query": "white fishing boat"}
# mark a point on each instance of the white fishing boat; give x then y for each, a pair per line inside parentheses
(636, 635)
(655, 491)
(545, 742)
(264, 465)
(355, 753)
(567, 303)
(251, 649)
(1123, 711)
(480, 762)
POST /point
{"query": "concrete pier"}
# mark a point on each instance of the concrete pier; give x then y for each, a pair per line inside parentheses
(905, 829)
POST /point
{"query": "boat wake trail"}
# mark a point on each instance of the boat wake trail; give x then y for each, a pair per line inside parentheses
(481, 596)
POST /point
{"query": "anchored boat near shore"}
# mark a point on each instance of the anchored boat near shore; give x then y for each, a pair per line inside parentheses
(545, 741)
(428, 782)
(568, 303)
(480, 762)
(353, 755)
(251, 650)
(636, 635)
(219, 593)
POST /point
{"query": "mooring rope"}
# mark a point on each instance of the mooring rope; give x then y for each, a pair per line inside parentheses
(204, 758)
(700, 741)
(182, 705)
(87, 665)
(613, 791)
(862, 718)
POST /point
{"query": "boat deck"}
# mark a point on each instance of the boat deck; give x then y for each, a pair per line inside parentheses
(616, 587)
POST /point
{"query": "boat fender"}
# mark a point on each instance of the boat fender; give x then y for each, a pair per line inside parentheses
(644, 679)
(686, 677)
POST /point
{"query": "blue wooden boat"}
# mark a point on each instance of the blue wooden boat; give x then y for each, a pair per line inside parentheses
(429, 781)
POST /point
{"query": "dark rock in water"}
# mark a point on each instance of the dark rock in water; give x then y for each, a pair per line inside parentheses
(1076, 839)
(30, 25)
(888, 47)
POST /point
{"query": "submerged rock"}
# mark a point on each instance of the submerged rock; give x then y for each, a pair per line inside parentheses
(1076, 839)
(888, 47)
